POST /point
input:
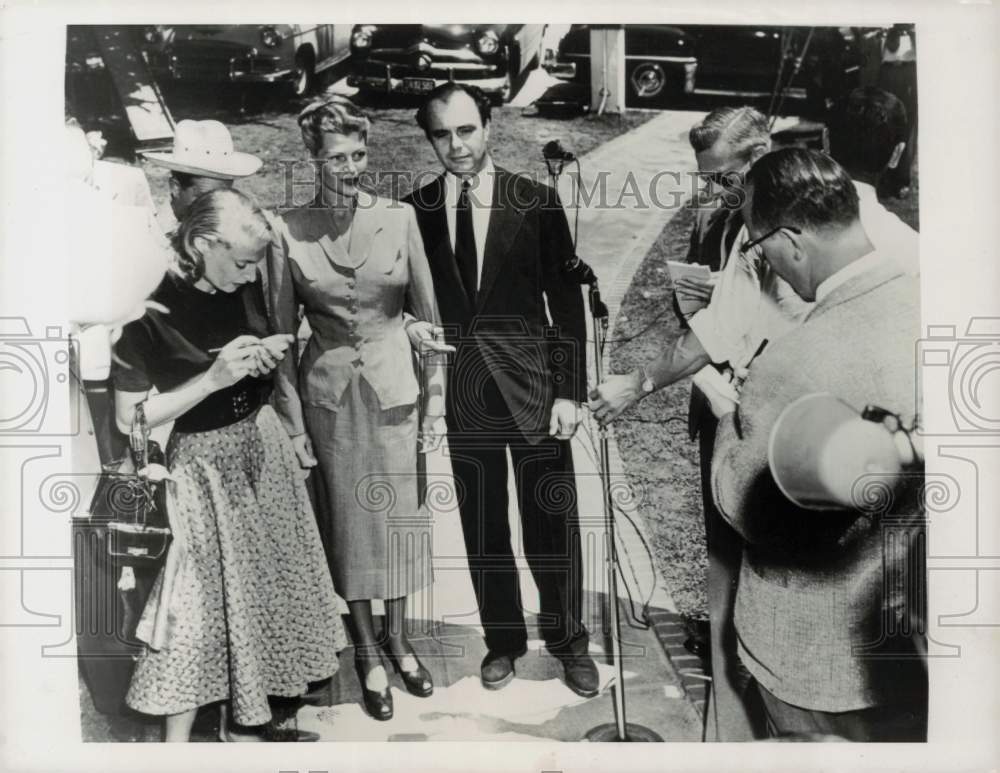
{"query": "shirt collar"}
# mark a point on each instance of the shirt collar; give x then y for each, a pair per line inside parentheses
(866, 193)
(481, 182)
(860, 266)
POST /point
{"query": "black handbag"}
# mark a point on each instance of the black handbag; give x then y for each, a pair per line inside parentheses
(133, 507)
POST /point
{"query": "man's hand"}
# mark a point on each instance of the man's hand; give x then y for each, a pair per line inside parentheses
(697, 289)
(565, 418)
(614, 396)
(304, 451)
(421, 335)
(720, 403)
(432, 432)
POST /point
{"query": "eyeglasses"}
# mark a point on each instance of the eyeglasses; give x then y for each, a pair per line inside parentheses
(731, 179)
(747, 246)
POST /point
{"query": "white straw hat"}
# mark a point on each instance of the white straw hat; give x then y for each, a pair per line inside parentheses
(205, 149)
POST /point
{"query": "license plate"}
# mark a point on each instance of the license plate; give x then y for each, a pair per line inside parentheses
(418, 85)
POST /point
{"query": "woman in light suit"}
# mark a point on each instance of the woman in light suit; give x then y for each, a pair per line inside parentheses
(354, 262)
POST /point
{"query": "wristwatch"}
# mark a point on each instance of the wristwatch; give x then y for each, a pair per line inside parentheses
(646, 384)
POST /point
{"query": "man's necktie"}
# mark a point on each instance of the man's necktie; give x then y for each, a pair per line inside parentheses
(465, 244)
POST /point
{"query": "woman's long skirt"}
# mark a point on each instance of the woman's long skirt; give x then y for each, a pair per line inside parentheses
(378, 535)
(250, 606)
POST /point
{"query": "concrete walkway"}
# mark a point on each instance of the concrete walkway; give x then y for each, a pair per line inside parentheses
(616, 231)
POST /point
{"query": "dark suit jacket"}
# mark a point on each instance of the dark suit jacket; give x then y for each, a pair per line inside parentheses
(507, 334)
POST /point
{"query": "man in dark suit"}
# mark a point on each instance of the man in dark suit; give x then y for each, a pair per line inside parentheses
(497, 243)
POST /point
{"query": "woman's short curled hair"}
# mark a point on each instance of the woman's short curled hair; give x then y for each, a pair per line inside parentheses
(335, 115)
(206, 217)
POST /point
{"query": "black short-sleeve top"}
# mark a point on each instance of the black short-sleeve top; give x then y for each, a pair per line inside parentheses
(165, 350)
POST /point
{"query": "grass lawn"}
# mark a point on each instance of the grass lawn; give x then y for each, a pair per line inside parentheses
(659, 458)
(395, 143)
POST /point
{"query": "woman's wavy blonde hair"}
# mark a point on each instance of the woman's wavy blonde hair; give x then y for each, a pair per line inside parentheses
(334, 115)
(205, 218)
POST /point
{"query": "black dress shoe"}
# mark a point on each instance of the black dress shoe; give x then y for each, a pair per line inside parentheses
(581, 674)
(378, 704)
(417, 682)
(497, 668)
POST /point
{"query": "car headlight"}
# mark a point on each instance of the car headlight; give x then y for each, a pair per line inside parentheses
(270, 37)
(362, 36)
(151, 35)
(488, 43)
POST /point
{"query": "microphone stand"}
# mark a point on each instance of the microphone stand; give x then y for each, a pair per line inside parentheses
(620, 729)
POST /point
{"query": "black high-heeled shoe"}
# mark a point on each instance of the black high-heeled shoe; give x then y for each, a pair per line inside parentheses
(419, 682)
(378, 704)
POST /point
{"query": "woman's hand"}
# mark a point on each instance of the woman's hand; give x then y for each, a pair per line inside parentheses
(235, 360)
(271, 351)
(304, 451)
(432, 432)
(423, 338)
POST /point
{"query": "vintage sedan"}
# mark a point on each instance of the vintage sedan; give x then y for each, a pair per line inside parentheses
(664, 63)
(414, 58)
(296, 54)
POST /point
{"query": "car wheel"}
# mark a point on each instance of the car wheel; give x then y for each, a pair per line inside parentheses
(648, 80)
(305, 75)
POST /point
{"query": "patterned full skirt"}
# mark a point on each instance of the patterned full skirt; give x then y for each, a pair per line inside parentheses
(245, 606)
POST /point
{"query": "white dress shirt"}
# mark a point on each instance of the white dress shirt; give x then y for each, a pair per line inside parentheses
(888, 234)
(750, 304)
(855, 268)
(481, 201)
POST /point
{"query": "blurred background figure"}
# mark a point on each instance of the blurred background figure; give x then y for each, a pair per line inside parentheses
(868, 137)
(118, 258)
(898, 76)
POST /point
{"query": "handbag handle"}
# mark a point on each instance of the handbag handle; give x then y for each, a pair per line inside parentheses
(139, 437)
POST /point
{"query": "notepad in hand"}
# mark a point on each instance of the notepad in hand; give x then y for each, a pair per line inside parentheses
(679, 270)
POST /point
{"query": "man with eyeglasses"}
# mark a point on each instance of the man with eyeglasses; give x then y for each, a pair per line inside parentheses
(826, 600)
(746, 305)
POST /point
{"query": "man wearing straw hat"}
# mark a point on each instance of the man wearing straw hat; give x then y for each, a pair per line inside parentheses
(202, 159)
(825, 599)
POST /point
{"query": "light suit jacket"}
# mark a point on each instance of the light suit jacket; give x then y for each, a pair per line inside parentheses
(353, 289)
(822, 593)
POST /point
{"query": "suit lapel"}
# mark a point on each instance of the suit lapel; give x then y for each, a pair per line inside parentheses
(365, 226)
(505, 222)
(431, 200)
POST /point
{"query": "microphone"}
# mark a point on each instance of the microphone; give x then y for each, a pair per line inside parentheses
(554, 151)
(576, 269)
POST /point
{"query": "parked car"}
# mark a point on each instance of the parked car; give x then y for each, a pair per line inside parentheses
(414, 58)
(664, 63)
(247, 53)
